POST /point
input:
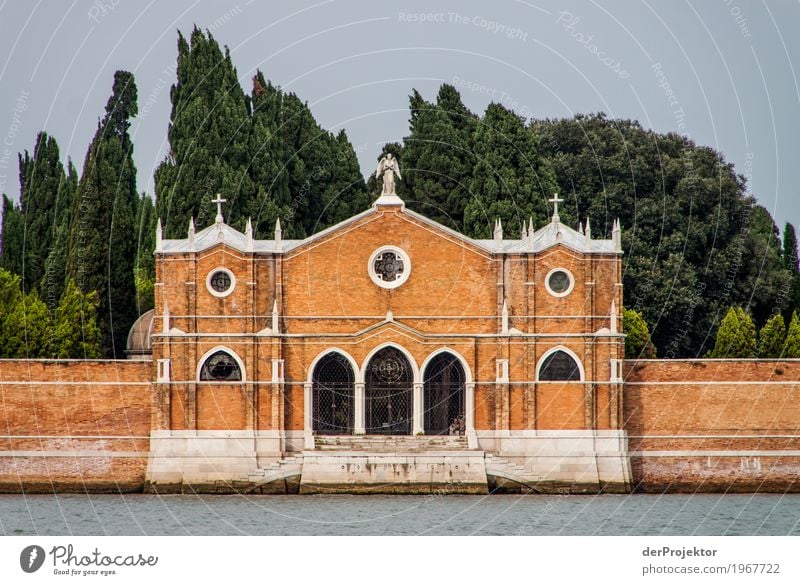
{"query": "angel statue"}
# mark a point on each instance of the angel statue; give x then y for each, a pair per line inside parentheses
(389, 166)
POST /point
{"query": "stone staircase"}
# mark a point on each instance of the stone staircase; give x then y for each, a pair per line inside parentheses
(398, 444)
(279, 472)
(505, 471)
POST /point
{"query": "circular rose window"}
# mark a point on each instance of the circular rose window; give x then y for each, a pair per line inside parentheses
(220, 282)
(559, 282)
(389, 267)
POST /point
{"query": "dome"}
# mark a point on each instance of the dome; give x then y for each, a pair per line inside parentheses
(138, 346)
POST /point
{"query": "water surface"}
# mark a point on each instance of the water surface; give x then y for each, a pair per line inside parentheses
(639, 514)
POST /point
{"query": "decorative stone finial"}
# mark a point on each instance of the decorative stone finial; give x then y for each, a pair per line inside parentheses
(275, 316)
(498, 230)
(248, 232)
(278, 234)
(504, 318)
(190, 232)
(616, 235)
(588, 234)
(159, 240)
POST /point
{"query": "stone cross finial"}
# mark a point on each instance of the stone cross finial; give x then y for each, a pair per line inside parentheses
(219, 201)
(555, 201)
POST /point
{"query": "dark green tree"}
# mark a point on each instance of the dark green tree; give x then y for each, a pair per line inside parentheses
(11, 245)
(790, 257)
(437, 157)
(75, 331)
(55, 266)
(792, 263)
(324, 177)
(510, 180)
(144, 271)
(209, 137)
(43, 186)
(102, 236)
(772, 338)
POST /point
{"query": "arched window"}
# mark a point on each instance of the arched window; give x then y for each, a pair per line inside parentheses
(221, 367)
(444, 396)
(333, 395)
(559, 366)
(389, 393)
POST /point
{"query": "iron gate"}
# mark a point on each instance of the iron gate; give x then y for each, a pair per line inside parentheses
(389, 393)
(444, 396)
(332, 395)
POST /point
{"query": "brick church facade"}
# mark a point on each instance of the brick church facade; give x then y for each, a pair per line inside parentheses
(392, 331)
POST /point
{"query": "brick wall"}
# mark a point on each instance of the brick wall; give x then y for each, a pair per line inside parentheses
(713, 425)
(74, 425)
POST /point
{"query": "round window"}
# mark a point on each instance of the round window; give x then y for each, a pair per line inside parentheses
(389, 267)
(559, 282)
(220, 282)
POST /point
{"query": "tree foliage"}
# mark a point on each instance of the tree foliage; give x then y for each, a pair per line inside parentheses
(29, 330)
(695, 242)
(637, 335)
(102, 242)
(264, 152)
(772, 337)
(792, 347)
(736, 337)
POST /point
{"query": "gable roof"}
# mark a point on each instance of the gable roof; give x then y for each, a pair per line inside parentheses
(553, 234)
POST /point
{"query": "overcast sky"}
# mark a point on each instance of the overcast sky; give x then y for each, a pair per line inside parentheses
(722, 72)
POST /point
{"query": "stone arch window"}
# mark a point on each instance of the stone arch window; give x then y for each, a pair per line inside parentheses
(333, 395)
(444, 392)
(221, 366)
(559, 366)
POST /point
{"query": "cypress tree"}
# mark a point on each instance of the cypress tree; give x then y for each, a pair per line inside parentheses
(736, 337)
(144, 271)
(55, 267)
(637, 335)
(510, 181)
(268, 163)
(103, 242)
(209, 137)
(43, 184)
(438, 157)
(323, 173)
(792, 348)
(790, 257)
(11, 245)
(772, 338)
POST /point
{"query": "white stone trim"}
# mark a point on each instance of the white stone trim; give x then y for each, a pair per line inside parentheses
(406, 267)
(458, 356)
(323, 353)
(163, 372)
(501, 371)
(230, 274)
(569, 288)
(566, 350)
(360, 374)
(230, 352)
